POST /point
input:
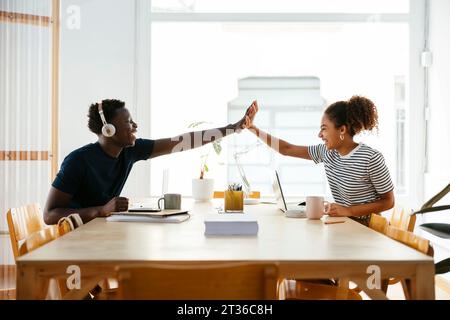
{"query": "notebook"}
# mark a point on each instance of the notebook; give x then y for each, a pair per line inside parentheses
(146, 218)
(142, 212)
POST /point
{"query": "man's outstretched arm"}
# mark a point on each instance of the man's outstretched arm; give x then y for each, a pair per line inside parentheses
(191, 140)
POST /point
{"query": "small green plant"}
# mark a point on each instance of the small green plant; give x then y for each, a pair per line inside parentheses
(203, 158)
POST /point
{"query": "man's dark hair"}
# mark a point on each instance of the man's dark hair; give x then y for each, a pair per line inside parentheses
(110, 108)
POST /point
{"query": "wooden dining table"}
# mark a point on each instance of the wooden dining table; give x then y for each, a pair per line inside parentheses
(302, 248)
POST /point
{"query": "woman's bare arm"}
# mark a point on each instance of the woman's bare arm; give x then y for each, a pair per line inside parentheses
(281, 146)
(385, 202)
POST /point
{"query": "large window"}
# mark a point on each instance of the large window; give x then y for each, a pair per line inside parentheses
(274, 6)
(196, 64)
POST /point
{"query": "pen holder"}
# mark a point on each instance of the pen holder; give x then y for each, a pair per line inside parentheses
(234, 201)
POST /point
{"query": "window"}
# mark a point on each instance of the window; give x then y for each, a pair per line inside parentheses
(196, 65)
(273, 6)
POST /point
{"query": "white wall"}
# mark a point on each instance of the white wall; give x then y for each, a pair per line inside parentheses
(98, 61)
(438, 175)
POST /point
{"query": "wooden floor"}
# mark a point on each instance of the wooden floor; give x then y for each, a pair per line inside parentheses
(395, 292)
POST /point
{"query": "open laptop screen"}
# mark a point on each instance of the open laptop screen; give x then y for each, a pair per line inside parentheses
(281, 202)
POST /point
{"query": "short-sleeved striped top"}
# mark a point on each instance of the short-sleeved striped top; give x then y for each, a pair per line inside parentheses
(358, 177)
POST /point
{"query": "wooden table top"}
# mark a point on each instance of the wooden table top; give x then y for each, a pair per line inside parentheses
(279, 239)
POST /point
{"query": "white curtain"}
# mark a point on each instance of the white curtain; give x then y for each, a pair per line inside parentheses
(25, 106)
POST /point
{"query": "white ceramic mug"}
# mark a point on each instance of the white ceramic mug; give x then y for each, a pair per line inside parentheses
(316, 207)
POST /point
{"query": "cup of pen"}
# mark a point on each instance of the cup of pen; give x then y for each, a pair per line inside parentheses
(234, 199)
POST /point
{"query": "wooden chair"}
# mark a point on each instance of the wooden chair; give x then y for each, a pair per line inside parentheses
(235, 281)
(304, 290)
(28, 232)
(297, 289)
(378, 223)
(401, 219)
(414, 241)
(22, 222)
(38, 239)
(410, 239)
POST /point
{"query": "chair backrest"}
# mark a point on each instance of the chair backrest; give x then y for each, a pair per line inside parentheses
(22, 222)
(38, 238)
(312, 290)
(401, 219)
(410, 239)
(206, 281)
(69, 223)
(378, 223)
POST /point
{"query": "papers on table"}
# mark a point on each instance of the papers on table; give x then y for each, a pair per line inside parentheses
(333, 220)
(147, 218)
(231, 224)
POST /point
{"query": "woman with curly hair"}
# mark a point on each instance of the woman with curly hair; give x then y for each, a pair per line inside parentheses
(357, 175)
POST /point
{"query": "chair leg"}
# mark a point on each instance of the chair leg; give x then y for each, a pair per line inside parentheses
(342, 289)
(406, 285)
(384, 285)
(54, 291)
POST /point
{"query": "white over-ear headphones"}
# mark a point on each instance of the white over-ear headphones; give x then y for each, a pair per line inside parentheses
(108, 130)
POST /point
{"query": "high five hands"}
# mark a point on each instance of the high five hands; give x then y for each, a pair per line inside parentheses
(247, 121)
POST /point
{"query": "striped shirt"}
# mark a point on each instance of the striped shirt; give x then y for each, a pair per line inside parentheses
(358, 177)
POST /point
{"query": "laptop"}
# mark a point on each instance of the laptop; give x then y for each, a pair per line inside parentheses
(291, 211)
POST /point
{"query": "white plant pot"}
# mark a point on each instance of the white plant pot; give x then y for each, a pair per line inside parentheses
(202, 189)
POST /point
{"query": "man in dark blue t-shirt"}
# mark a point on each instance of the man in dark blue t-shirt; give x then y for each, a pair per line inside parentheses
(91, 178)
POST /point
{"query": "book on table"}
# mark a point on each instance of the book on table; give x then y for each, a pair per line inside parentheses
(165, 216)
(231, 224)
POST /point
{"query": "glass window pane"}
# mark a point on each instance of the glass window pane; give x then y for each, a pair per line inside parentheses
(292, 6)
(196, 68)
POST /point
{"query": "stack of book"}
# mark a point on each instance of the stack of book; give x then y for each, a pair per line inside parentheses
(231, 224)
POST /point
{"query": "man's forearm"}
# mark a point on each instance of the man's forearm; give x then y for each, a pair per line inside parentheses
(200, 138)
(86, 214)
(196, 139)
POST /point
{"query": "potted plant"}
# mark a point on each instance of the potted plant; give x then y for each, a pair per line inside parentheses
(203, 188)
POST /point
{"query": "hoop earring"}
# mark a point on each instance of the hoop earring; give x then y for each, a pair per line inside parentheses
(341, 137)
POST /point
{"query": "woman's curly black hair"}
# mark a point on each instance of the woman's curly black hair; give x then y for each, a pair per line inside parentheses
(358, 114)
(110, 108)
